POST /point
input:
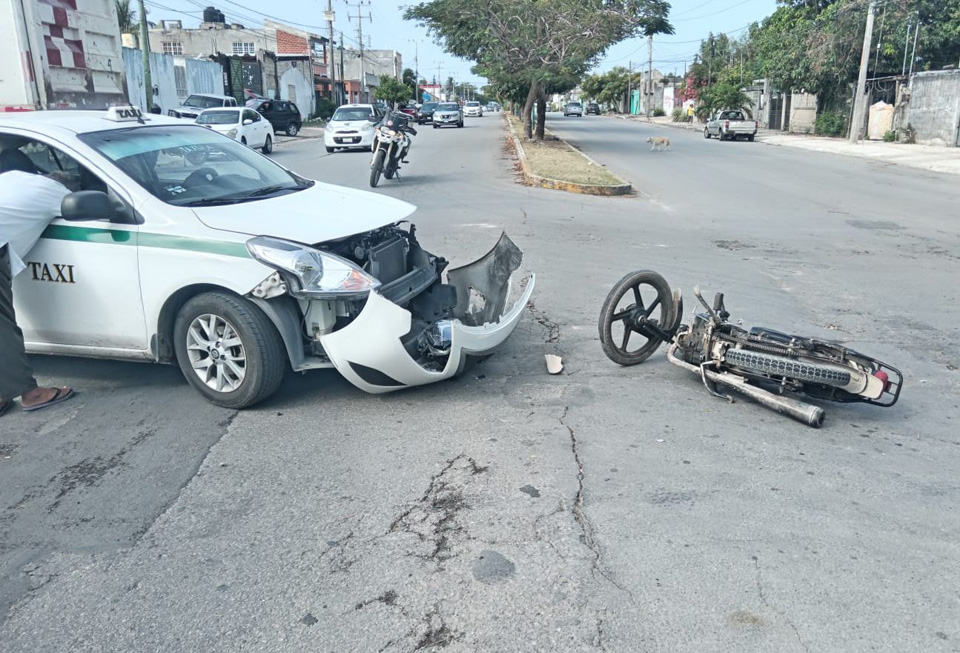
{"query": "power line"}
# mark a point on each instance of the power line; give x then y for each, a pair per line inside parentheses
(716, 13)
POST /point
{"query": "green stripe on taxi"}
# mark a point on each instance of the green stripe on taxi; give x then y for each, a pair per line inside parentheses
(109, 236)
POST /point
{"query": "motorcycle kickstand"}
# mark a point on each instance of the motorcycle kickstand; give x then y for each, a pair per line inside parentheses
(712, 387)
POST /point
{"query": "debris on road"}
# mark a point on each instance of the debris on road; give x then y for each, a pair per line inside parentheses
(554, 363)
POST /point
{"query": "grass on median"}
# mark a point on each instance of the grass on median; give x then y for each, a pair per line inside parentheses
(554, 159)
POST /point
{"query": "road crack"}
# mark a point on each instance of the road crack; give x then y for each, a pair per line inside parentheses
(766, 604)
(587, 533)
(551, 328)
(433, 518)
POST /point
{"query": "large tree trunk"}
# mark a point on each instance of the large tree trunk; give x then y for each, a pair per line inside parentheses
(541, 113)
(528, 109)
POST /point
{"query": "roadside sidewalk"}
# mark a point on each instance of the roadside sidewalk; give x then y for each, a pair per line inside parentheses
(925, 157)
(306, 132)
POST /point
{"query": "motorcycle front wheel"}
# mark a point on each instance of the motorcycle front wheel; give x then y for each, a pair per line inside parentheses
(390, 168)
(639, 299)
(376, 168)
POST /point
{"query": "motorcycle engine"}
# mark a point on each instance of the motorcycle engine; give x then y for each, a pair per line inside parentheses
(694, 340)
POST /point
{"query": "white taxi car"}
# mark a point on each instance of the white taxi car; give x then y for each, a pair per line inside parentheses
(243, 125)
(236, 268)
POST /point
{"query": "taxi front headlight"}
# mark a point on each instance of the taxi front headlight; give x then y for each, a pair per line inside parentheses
(367, 126)
(319, 275)
(231, 133)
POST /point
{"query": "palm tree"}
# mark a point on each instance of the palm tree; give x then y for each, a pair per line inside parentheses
(126, 17)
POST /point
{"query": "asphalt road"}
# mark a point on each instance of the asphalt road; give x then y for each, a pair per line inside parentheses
(617, 509)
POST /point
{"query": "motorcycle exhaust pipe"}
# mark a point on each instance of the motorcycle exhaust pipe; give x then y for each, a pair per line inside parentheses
(798, 410)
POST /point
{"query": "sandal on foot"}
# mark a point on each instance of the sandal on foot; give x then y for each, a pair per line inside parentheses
(62, 394)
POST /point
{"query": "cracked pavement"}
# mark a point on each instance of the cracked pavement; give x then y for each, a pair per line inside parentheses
(604, 509)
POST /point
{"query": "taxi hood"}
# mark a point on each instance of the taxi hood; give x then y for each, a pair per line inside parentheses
(317, 214)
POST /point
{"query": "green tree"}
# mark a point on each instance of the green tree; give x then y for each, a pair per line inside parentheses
(126, 17)
(392, 91)
(539, 44)
(409, 79)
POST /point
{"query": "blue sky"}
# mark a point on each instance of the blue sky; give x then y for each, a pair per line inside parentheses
(692, 19)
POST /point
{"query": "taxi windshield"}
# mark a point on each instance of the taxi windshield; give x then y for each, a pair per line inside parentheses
(193, 166)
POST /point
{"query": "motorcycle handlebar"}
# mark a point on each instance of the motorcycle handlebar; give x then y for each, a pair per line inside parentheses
(412, 130)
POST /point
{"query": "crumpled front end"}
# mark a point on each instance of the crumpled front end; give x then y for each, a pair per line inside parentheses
(417, 328)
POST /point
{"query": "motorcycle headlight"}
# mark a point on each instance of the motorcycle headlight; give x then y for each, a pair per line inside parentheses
(320, 275)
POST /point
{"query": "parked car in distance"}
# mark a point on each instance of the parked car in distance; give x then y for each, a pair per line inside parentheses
(448, 113)
(197, 102)
(352, 126)
(426, 112)
(573, 109)
(410, 110)
(243, 125)
(282, 114)
(730, 124)
(593, 108)
(473, 109)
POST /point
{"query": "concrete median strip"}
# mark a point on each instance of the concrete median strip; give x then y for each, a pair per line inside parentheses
(530, 166)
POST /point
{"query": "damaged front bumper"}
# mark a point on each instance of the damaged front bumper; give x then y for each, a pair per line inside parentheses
(384, 348)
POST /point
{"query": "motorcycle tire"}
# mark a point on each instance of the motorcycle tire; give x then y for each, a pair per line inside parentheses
(376, 168)
(619, 353)
(390, 168)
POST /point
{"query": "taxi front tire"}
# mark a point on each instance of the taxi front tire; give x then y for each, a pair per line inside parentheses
(264, 356)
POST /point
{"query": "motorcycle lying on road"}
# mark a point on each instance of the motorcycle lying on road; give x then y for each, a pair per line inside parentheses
(762, 364)
(390, 147)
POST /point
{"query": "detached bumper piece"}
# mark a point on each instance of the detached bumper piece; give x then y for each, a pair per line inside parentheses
(408, 335)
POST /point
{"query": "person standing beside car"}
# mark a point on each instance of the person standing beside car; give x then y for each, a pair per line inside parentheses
(28, 203)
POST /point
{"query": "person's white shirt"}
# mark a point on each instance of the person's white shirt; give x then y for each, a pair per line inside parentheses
(28, 203)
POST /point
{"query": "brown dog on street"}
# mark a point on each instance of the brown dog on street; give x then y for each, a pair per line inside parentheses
(660, 143)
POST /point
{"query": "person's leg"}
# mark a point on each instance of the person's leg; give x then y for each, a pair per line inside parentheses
(16, 377)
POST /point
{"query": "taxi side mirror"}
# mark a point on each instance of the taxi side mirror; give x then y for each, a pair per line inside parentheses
(87, 205)
(247, 122)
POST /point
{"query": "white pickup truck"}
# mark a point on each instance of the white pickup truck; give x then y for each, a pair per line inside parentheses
(730, 124)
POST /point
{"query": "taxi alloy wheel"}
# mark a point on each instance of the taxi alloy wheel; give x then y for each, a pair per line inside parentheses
(228, 349)
(216, 353)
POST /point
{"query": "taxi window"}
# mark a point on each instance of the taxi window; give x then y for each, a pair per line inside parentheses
(60, 166)
(193, 166)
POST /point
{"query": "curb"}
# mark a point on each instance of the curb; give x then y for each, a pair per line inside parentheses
(672, 125)
(531, 179)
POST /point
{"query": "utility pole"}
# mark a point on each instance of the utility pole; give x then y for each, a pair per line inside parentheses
(906, 46)
(857, 123)
(649, 101)
(342, 82)
(630, 88)
(416, 70)
(145, 51)
(330, 16)
(364, 95)
(916, 33)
